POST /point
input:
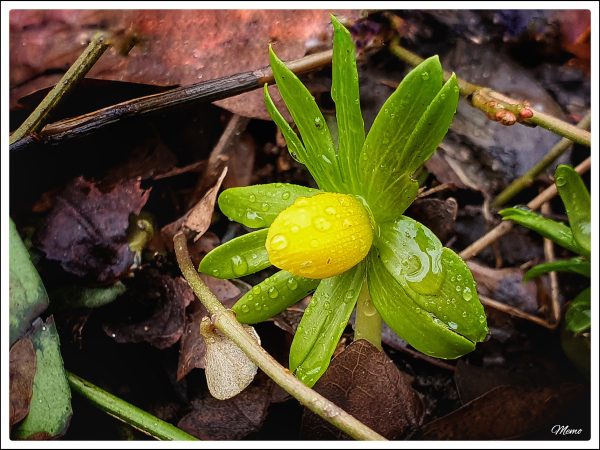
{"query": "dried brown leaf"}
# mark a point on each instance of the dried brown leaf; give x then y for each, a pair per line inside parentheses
(365, 383)
(86, 229)
(162, 300)
(22, 368)
(437, 215)
(508, 412)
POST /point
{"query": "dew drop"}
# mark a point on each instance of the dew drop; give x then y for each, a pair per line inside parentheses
(459, 277)
(265, 207)
(314, 243)
(307, 268)
(326, 305)
(295, 228)
(464, 314)
(457, 288)
(285, 195)
(321, 224)
(245, 308)
(453, 279)
(560, 181)
(443, 96)
(481, 319)
(252, 198)
(425, 75)
(273, 292)
(239, 265)
(292, 284)
(467, 294)
(301, 201)
(256, 289)
(215, 273)
(279, 242)
(452, 325)
(329, 210)
(257, 306)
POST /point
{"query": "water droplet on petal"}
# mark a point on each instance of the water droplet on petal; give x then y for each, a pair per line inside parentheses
(314, 243)
(256, 289)
(285, 195)
(481, 319)
(239, 265)
(560, 181)
(215, 273)
(321, 224)
(245, 308)
(265, 207)
(329, 210)
(452, 325)
(273, 292)
(257, 306)
(252, 198)
(425, 75)
(467, 294)
(292, 284)
(279, 242)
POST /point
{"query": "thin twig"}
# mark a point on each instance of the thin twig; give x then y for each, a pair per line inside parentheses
(498, 107)
(506, 226)
(549, 254)
(43, 113)
(514, 311)
(528, 178)
(120, 409)
(174, 99)
(225, 321)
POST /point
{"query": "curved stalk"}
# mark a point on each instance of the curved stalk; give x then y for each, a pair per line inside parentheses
(368, 320)
(225, 321)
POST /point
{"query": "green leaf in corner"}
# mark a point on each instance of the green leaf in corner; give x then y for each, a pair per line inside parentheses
(575, 265)
(50, 409)
(579, 314)
(27, 295)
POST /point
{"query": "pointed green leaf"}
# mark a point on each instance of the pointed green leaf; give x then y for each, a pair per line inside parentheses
(321, 158)
(27, 295)
(345, 94)
(72, 297)
(386, 143)
(50, 409)
(294, 144)
(275, 294)
(555, 231)
(432, 127)
(435, 278)
(578, 204)
(239, 257)
(323, 323)
(575, 265)
(579, 314)
(420, 328)
(258, 206)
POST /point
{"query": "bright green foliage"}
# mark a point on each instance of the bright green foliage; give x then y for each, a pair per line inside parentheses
(425, 292)
(576, 237)
(50, 409)
(27, 295)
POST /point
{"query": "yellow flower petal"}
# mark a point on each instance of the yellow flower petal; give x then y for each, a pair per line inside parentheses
(321, 236)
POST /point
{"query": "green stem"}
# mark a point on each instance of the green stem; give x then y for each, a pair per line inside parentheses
(492, 103)
(368, 320)
(126, 412)
(43, 113)
(525, 180)
(225, 321)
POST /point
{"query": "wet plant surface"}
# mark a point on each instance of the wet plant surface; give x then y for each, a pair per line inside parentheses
(127, 319)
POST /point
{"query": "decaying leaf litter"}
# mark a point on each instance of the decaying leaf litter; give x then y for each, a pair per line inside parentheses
(161, 165)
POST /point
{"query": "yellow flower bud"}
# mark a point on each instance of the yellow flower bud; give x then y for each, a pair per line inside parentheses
(321, 236)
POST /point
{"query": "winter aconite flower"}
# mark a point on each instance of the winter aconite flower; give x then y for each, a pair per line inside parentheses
(330, 240)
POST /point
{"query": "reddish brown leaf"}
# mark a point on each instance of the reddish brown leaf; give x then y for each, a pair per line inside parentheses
(231, 419)
(508, 412)
(192, 348)
(178, 47)
(365, 383)
(86, 229)
(22, 367)
(155, 305)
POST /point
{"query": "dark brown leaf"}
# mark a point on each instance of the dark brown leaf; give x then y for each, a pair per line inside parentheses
(178, 47)
(22, 367)
(192, 348)
(162, 300)
(508, 412)
(365, 383)
(231, 419)
(86, 229)
(437, 215)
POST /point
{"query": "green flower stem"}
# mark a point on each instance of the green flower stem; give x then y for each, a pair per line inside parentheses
(43, 113)
(368, 320)
(502, 229)
(525, 181)
(492, 103)
(126, 412)
(225, 321)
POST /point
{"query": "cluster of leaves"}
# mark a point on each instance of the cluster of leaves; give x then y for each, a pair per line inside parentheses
(576, 237)
(423, 291)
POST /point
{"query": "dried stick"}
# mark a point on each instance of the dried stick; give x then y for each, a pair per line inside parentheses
(505, 227)
(225, 321)
(549, 254)
(498, 107)
(514, 311)
(175, 99)
(525, 180)
(43, 113)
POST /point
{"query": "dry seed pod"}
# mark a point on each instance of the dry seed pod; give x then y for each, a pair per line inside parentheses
(228, 370)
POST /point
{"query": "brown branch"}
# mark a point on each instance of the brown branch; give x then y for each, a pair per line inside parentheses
(514, 311)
